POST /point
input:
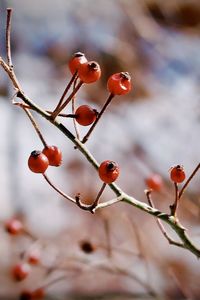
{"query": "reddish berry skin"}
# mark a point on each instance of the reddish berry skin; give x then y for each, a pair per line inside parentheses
(108, 171)
(177, 174)
(14, 226)
(154, 182)
(85, 115)
(89, 72)
(34, 257)
(54, 155)
(77, 59)
(25, 295)
(38, 293)
(119, 83)
(38, 162)
(21, 271)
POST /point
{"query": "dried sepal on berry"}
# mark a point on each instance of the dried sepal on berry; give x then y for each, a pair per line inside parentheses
(119, 83)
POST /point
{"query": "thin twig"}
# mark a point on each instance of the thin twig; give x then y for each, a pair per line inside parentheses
(65, 91)
(106, 224)
(90, 207)
(8, 30)
(160, 225)
(86, 137)
(35, 125)
(188, 181)
(56, 113)
(174, 206)
(58, 190)
(73, 112)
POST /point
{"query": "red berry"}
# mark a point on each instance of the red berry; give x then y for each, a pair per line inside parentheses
(177, 174)
(54, 155)
(85, 115)
(38, 293)
(34, 257)
(25, 295)
(119, 83)
(14, 226)
(89, 72)
(77, 59)
(21, 271)
(108, 171)
(154, 182)
(38, 162)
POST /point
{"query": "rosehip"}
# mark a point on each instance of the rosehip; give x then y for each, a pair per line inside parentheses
(38, 162)
(85, 115)
(154, 182)
(33, 257)
(21, 271)
(89, 72)
(14, 226)
(177, 174)
(119, 83)
(77, 59)
(54, 155)
(108, 171)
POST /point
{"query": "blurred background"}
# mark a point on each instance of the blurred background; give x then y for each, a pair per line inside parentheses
(118, 253)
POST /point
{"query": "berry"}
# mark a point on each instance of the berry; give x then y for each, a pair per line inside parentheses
(14, 226)
(38, 293)
(21, 271)
(54, 155)
(85, 115)
(154, 182)
(77, 59)
(108, 171)
(119, 83)
(33, 257)
(177, 174)
(89, 72)
(87, 247)
(25, 295)
(38, 162)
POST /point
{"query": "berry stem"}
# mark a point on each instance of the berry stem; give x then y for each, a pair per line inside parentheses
(92, 206)
(8, 30)
(73, 78)
(35, 126)
(68, 115)
(174, 206)
(58, 190)
(188, 181)
(84, 140)
(62, 106)
(73, 112)
(160, 225)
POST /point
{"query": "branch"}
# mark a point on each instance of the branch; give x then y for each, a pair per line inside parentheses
(160, 225)
(8, 29)
(121, 196)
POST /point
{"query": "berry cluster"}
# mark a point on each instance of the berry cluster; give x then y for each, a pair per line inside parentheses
(83, 72)
(39, 161)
